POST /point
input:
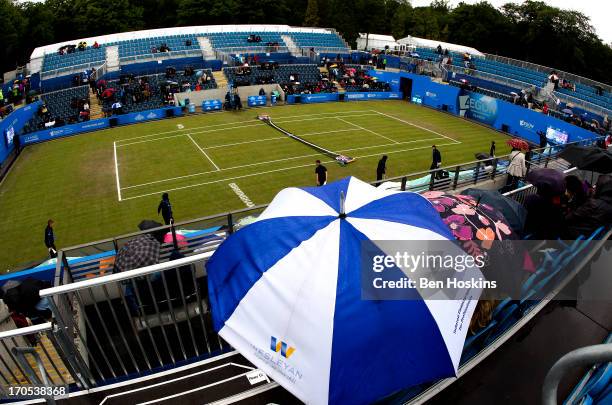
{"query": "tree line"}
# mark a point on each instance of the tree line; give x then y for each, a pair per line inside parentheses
(531, 31)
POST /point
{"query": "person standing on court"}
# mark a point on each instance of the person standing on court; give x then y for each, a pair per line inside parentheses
(381, 170)
(50, 239)
(166, 209)
(492, 150)
(436, 160)
(320, 174)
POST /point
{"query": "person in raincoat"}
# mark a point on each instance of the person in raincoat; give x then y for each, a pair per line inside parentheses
(165, 207)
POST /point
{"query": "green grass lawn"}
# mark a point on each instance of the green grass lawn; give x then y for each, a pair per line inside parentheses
(102, 184)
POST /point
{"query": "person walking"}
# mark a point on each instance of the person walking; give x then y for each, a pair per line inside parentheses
(320, 174)
(436, 161)
(492, 150)
(50, 239)
(381, 170)
(516, 169)
(166, 209)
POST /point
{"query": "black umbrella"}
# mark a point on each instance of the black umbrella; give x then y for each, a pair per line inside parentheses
(547, 180)
(482, 156)
(513, 211)
(588, 158)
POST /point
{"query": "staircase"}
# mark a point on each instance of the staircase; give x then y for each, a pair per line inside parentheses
(293, 48)
(112, 58)
(207, 48)
(220, 79)
(95, 106)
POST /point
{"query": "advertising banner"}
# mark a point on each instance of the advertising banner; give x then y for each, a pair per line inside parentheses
(73, 129)
(479, 107)
(364, 96)
(211, 105)
(256, 101)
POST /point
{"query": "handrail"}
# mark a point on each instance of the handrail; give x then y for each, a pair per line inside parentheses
(125, 275)
(584, 356)
(28, 330)
(71, 68)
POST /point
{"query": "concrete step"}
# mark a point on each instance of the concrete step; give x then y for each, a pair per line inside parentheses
(95, 106)
(220, 78)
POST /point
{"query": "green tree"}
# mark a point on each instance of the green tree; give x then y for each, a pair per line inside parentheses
(12, 35)
(312, 14)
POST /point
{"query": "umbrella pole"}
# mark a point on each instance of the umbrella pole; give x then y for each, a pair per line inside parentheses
(174, 241)
(342, 198)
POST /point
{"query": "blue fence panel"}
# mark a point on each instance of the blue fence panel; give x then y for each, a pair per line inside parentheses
(374, 95)
(211, 105)
(67, 130)
(256, 101)
(12, 125)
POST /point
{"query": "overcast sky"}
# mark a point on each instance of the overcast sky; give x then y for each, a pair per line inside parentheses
(599, 11)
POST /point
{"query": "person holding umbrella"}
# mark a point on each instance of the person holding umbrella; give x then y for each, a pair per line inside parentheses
(165, 207)
(381, 170)
(516, 168)
(50, 239)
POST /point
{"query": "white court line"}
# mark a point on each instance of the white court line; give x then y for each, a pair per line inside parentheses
(417, 126)
(117, 171)
(276, 138)
(368, 112)
(203, 152)
(272, 171)
(258, 124)
(365, 129)
(243, 197)
(272, 161)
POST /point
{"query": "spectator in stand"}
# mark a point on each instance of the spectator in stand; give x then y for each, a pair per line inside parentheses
(381, 170)
(516, 169)
(543, 140)
(554, 79)
(545, 109)
(320, 174)
(50, 239)
(166, 209)
(117, 108)
(439, 49)
(575, 193)
(593, 213)
(96, 45)
(544, 215)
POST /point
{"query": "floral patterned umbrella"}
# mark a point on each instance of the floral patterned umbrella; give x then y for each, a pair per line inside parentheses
(469, 220)
(478, 225)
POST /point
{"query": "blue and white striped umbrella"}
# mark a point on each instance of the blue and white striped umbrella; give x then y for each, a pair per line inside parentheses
(285, 291)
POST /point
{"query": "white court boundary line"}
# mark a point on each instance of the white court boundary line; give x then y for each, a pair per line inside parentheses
(273, 171)
(238, 125)
(416, 125)
(365, 129)
(243, 197)
(117, 171)
(203, 152)
(272, 161)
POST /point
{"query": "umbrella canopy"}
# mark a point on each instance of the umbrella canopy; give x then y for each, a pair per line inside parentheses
(547, 180)
(470, 220)
(518, 144)
(588, 158)
(286, 292)
(481, 156)
(141, 251)
(513, 212)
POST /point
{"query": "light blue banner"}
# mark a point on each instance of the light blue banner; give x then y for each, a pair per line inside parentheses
(67, 130)
(373, 95)
(212, 105)
(256, 101)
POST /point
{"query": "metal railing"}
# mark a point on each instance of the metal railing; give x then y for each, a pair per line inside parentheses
(125, 60)
(45, 341)
(544, 69)
(70, 69)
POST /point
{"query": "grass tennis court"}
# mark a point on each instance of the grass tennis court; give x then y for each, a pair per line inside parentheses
(102, 184)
